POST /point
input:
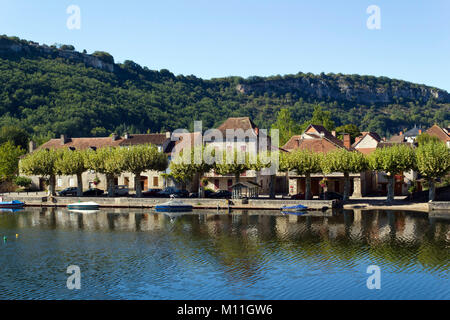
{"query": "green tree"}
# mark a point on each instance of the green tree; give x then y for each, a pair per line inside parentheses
(320, 117)
(425, 138)
(351, 129)
(286, 126)
(108, 161)
(141, 158)
(433, 162)
(306, 163)
(182, 171)
(42, 163)
(17, 136)
(392, 160)
(23, 182)
(9, 160)
(344, 161)
(73, 163)
(233, 162)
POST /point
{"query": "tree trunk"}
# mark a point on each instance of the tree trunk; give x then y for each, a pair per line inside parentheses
(308, 186)
(272, 186)
(288, 192)
(201, 189)
(431, 190)
(79, 185)
(346, 186)
(110, 185)
(51, 186)
(137, 184)
(390, 193)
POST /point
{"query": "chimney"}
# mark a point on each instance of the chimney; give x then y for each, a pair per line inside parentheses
(168, 135)
(401, 133)
(347, 141)
(384, 139)
(127, 136)
(333, 133)
(114, 137)
(420, 131)
(31, 146)
(64, 139)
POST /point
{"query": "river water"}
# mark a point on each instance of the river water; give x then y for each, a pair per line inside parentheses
(138, 254)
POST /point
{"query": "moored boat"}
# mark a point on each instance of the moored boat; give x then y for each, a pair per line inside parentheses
(15, 204)
(84, 211)
(173, 206)
(83, 206)
(296, 208)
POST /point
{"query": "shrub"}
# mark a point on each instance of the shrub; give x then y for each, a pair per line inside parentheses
(23, 182)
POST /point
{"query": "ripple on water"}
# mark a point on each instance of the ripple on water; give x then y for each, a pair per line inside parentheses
(140, 256)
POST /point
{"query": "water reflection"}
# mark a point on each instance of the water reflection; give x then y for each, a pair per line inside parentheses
(247, 254)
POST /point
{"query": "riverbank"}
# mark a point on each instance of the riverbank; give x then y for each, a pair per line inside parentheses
(221, 204)
(440, 206)
(130, 202)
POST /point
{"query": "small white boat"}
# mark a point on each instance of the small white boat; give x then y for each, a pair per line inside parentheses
(84, 211)
(173, 206)
(83, 206)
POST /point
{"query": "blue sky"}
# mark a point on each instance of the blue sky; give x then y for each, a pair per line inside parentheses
(251, 37)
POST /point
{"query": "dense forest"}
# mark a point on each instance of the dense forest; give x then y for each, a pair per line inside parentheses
(50, 90)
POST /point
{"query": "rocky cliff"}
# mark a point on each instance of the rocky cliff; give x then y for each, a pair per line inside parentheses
(14, 47)
(351, 88)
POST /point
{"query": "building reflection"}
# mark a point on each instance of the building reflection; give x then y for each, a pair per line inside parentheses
(244, 243)
(357, 225)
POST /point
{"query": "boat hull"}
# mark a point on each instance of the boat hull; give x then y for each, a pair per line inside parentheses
(12, 205)
(163, 208)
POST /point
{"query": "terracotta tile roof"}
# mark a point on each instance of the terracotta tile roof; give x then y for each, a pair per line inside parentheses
(327, 134)
(86, 143)
(183, 140)
(315, 145)
(397, 139)
(157, 139)
(439, 133)
(243, 123)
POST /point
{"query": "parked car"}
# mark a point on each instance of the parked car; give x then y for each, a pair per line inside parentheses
(153, 193)
(167, 192)
(298, 196)
(208, 194)
(68, 192)
(93, 192)
(330, 195)
(181, 194)
(121, 191)
(221, 194)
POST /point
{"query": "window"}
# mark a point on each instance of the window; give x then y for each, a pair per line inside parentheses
(243, 148)
(60, 182)
(155, 181)
(71, 182)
